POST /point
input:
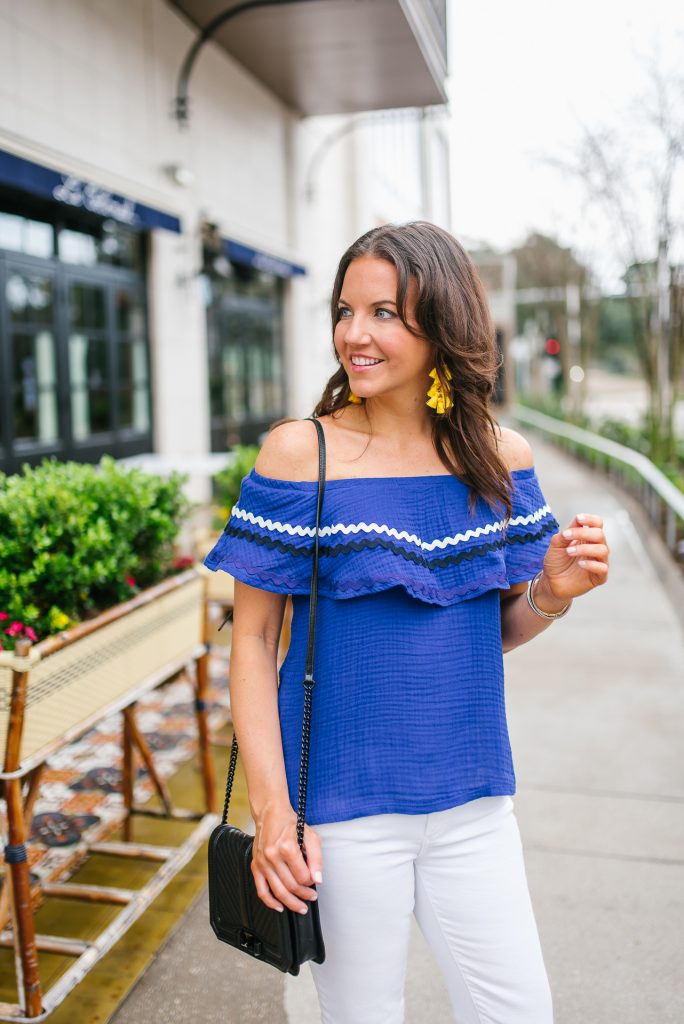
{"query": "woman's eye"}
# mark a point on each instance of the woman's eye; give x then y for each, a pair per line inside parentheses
(343, 313)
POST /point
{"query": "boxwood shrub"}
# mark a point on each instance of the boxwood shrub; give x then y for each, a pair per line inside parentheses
(76, 539)
(226, 483)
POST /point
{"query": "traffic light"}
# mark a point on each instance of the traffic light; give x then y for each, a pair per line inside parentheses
(553, 364)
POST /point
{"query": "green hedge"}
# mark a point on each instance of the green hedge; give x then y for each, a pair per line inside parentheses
(76, 539)
(226, 482)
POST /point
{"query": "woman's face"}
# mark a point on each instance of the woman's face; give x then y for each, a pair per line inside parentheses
(375, 348)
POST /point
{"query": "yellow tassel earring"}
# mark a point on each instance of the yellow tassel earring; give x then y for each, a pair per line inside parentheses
(354, 398)
(438, 395)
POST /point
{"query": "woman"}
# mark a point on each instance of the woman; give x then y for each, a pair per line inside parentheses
(433, 524)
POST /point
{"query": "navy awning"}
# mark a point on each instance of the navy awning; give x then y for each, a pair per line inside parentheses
(239, 253)
(72, 191)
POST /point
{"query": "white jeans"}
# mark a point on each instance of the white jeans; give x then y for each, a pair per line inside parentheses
(461, 872)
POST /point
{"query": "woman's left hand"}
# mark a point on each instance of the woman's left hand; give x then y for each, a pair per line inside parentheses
(576, 560)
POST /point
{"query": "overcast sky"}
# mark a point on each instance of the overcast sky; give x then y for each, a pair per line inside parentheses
(525, 76)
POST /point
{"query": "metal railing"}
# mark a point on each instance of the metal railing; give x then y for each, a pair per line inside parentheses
(663, 502)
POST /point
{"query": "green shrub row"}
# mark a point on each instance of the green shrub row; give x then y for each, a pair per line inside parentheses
(76, 539)
(226, 482)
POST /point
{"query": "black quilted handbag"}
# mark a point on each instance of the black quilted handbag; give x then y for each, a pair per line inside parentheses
(285, 939)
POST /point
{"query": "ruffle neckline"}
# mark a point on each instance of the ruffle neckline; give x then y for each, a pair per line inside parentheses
(528, 472)
(383, 532)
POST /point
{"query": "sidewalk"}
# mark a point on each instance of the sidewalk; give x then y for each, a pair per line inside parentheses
(596, 715)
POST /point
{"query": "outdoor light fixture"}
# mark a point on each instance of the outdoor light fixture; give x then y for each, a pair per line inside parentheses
(182, 99)
(221, 266)
(210, 234)
(180, 175)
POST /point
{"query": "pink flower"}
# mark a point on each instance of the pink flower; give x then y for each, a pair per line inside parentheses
(15, 628)
(3, 616)
(30, 633)
(131, 581)
(183, 561)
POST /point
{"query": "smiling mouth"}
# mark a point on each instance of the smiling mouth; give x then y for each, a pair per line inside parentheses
(364, 361)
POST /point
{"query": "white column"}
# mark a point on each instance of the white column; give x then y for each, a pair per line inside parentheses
(178, 350)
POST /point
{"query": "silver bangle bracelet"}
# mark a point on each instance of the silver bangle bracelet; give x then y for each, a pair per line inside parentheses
(538, 611)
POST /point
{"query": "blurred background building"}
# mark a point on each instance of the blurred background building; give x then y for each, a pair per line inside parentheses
(164, 289)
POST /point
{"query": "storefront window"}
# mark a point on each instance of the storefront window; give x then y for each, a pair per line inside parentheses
(134, 412)
(244, 315)
(89, 367)
(77, 247)
(108, 244)
(34, 399)
(73, 338)
(33, 237)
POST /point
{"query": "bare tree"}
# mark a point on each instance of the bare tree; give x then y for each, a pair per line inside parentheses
(631, 172)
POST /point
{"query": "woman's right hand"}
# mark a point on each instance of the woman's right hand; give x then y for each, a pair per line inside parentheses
(282, 876)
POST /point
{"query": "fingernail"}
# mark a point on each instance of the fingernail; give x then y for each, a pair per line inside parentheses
(581, 516)
(568, 533)
(280, 909)
(571, 550)
(318, 877)
(303, 910)
(581, 562)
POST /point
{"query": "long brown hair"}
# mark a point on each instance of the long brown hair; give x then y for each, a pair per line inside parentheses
(452, 313)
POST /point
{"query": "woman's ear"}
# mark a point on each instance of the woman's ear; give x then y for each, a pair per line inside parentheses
(435, 357)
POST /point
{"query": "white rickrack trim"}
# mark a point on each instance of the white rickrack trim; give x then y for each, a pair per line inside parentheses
(347, 529)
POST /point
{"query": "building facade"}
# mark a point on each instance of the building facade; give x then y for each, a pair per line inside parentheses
(164, 289)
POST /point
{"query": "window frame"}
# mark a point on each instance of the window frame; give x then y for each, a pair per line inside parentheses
(118, 442)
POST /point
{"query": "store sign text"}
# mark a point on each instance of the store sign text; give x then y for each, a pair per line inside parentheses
(75, 192)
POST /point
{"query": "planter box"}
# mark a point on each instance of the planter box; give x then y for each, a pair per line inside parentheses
(51, 694)
(101, 665)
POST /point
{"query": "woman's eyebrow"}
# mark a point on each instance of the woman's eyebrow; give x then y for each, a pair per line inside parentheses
(379, 302)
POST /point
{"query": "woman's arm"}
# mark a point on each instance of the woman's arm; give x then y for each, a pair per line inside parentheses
(576, 561)
(257, 621)
(518, 622)
(282, 876)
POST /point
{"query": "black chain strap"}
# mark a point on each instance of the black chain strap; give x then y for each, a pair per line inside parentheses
(308, 669)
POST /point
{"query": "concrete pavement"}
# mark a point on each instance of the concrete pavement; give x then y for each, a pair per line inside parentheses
(596, 716)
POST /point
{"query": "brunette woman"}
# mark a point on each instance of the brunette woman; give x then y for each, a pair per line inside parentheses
(439, 553)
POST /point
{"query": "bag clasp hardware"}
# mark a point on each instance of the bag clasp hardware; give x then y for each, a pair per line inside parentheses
(250, 943)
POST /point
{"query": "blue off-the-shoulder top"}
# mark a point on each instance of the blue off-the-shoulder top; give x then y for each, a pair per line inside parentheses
(408, 708)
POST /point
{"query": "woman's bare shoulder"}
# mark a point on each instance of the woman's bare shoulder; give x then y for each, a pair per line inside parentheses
(515, 450)
(289, 452)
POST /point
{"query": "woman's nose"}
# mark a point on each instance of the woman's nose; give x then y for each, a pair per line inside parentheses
(356, 331)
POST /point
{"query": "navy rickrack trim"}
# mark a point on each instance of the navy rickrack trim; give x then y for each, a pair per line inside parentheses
(525, 538)
(331, 551)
